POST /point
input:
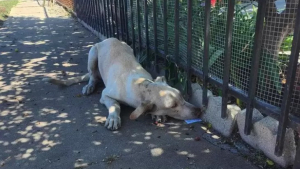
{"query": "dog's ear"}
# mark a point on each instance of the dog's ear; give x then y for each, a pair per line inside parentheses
(141, 109)
(161, 79)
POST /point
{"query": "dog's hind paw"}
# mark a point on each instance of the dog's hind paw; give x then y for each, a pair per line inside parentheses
(159, 119)
(88, 89)
(113, 122)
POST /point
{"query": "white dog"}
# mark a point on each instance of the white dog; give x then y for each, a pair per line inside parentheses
(127, 82)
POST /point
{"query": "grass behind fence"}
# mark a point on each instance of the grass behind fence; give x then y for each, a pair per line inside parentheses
(5, 7)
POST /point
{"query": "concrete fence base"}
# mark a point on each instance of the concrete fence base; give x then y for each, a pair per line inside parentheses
(264, 131)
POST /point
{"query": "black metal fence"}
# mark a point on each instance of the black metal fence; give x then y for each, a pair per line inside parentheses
(253, 56)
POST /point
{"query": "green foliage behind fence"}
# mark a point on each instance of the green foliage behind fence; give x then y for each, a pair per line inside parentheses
(242, 41)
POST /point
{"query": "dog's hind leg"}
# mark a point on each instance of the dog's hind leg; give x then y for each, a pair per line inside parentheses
(113, 121)
(93, 72)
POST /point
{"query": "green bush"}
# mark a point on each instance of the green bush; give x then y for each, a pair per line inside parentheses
(5, 7)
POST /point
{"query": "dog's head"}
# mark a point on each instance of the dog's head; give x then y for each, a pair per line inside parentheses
(161, 99)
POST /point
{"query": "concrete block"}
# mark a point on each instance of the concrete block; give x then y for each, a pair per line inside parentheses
(213, 116)
(263, 137)
(196, 98)
(241, 125)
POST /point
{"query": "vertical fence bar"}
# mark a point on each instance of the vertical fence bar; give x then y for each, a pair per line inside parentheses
(92, 16)
(176, 31)
(227, 58)
(139, 25)
(189, 46)
(78, 11)
(165, 18)
(97, 16)
(117, 19)
(121, 18)
(126, 20)
(113, 18)
(206, 51)
(85, 12)
(108, 17)
(105, 19)
(288, 89)
(155, 34)
(81, 10)
(89, 16)
(255, 63)
(147, 33)
(102, 18)
(75, 6)
(132, 27)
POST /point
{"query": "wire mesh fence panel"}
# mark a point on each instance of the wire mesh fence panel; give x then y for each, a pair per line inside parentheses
(183, 32)
(278, 31)
(295, 103)
(171, 27)
(242, 44)
(136, 16)
(217, 43)
(160, 24)
(198, 34)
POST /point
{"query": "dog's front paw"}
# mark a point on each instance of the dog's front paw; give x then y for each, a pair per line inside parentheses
(88, 89)
(113, 122)
(159, 119)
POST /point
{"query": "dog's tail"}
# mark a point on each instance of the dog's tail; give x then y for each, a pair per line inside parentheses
(68, 82)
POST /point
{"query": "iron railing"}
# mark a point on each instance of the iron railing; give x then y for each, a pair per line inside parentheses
(129, 21)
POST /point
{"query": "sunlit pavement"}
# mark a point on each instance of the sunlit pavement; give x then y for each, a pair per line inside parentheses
(43, 126)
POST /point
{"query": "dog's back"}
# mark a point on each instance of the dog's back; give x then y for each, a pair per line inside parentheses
(116, 60)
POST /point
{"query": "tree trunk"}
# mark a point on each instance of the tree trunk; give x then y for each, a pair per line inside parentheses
(278, 26)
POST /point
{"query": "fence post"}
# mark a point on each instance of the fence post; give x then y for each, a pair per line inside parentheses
(117, 19)
(132, 27)
(121, 19)
(155, 34)
(206, 51)
(176, 32)
(227, 58)
(108, 18)
(139, 26)
(126, 20)
(113, 18)
(288, 89)
(189, 46)
(147, 33)
(255, 63)
(166, 52)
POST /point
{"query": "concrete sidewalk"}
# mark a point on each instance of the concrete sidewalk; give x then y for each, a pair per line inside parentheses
(43, 126)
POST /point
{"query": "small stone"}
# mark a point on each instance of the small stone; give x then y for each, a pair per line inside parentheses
(197, 139)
